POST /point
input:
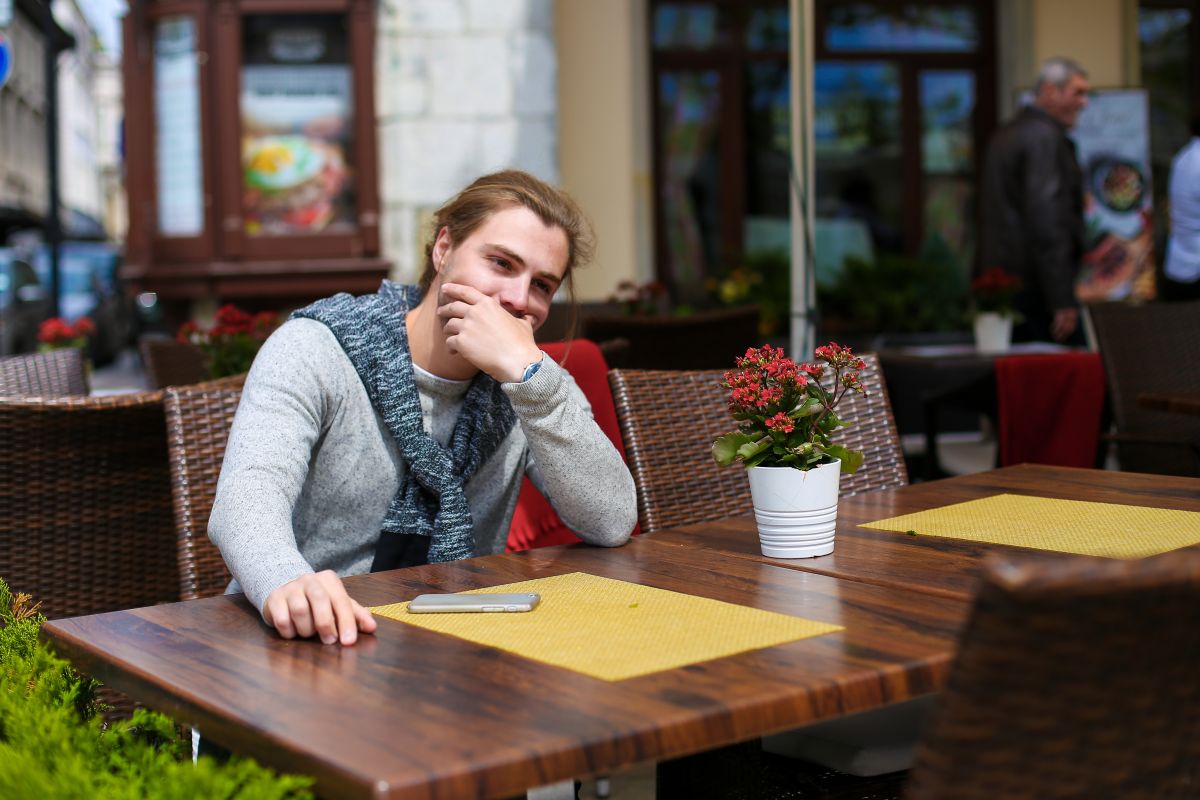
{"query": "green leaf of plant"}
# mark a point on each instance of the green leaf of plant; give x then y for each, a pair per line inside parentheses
(755, 460)
(753, 448)
(725, 448)
(851, 459)
(807, 408)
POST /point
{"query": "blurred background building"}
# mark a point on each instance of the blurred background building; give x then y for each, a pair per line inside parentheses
(731, 149)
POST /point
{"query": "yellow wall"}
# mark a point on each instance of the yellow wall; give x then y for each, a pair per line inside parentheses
(1100, 34)
(603, 135)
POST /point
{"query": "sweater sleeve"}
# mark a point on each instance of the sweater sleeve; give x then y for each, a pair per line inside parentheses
(285, 404)
(571, 461)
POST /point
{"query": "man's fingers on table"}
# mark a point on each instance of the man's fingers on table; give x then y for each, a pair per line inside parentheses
(278, 616)
(299, 612)
(366, 622)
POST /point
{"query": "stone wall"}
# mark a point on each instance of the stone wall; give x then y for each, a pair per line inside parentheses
(463, 87)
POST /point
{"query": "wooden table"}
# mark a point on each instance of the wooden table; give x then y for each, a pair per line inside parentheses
(1175, 402)
(928, 564)
(408, 713)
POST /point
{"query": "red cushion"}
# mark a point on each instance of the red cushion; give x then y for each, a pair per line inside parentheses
(534, 523)
(1049, 408)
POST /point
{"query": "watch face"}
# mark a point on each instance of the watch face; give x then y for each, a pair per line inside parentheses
(531, 370)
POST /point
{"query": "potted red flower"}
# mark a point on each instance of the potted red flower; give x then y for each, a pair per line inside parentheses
(992, 295)
(785, 438)
(56, 333)
(233, 339)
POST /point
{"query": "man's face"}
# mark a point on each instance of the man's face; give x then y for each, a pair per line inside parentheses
(1065, 102)
(513, 256)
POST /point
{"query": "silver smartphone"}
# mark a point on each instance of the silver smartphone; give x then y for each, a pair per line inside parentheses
(468, 603)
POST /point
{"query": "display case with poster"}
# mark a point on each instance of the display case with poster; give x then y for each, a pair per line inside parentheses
(252, 170)
(1112, 138)
(297, 134)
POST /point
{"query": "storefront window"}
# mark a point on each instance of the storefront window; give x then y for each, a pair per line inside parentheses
(1165, 35)
(859, 169)
(722, 148)
(296, 125)
(947, 99)
(178, 157)
(685, 25)
(767, 29)
(688, 108)
(912, 27)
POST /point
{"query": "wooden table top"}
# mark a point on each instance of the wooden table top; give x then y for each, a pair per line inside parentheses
(1176, 402)
(930, 564)
(409, 713)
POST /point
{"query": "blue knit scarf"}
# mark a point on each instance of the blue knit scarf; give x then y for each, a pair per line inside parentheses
(430, 502)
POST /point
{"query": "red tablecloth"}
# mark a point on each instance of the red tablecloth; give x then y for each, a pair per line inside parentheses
(1049, 408)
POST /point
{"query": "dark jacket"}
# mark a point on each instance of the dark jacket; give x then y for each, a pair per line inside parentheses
(1032, 207)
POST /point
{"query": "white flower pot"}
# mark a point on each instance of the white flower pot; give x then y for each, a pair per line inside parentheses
(993, 332)
(796, 510)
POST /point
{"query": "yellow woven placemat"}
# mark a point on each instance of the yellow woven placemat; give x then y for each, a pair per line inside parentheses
(1045, 523)
(612, 629)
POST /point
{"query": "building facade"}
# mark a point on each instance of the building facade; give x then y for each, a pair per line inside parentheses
(674, 124)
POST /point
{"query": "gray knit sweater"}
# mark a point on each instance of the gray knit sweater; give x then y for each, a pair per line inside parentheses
(310, 468)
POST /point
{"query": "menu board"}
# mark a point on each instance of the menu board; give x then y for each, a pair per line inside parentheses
(297, 116)
(178, 158)
(1112, 137)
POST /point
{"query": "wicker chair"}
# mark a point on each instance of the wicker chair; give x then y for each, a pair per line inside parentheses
(198, 421)
(1151, 348)
(172, 363)
(57, 373)
(678, 483)
(1073, 680)
(85, 521)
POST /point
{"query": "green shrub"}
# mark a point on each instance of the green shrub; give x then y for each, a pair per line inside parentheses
(53, 743)
(899, 294)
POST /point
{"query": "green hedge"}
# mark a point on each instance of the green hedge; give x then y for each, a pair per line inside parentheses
(53, 743)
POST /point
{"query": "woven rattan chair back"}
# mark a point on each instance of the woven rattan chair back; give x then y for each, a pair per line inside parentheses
(872, 430)
(85, 520)
(172, 363)
(198, 421)
(1153, 347)
(669, 420)
(56, 373)
(1074, 679)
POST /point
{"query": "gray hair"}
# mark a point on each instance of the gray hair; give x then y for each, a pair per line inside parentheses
(1057, 71)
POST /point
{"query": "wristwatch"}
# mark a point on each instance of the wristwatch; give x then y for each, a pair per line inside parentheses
(531, 370)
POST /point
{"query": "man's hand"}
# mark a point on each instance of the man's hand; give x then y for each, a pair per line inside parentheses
(317, 603)
(1064, 323)
(486, 334)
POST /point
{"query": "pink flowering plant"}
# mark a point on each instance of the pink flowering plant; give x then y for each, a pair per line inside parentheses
(785, 415)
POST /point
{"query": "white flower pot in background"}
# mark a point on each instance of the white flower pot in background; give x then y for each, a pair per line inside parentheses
(796, 510)
(993, 332)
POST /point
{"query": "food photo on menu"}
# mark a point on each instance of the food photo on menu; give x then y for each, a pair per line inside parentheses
(1113, 143)
(296, 133)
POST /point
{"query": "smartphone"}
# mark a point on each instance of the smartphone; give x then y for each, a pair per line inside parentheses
(466, 603)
